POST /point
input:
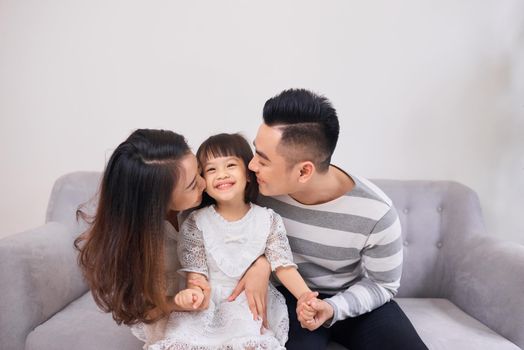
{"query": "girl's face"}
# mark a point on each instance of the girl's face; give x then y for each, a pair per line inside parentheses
(225, 179)
(188, 191)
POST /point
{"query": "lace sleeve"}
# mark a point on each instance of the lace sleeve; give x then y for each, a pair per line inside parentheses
(278, 252)
(191, 250)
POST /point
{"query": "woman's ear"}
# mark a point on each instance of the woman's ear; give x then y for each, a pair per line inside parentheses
(306, 169)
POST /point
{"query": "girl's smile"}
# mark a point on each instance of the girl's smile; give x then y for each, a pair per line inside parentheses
(225, 179)
(224, 185)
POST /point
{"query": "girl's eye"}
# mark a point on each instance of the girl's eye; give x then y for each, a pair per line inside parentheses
(230, 165)
(209, 170)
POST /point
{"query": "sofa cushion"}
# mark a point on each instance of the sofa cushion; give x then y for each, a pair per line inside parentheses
(82, 326)
(442, 325)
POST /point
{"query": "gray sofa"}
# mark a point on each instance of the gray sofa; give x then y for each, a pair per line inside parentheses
(461, 288)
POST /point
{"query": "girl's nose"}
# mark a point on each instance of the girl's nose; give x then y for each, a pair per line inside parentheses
(222, 173)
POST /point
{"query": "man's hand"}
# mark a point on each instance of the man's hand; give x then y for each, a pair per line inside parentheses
(305, 312)
(254, 283)
(189, 299)
(323, 310)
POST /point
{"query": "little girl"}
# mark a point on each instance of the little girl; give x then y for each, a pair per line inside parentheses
(218, 243)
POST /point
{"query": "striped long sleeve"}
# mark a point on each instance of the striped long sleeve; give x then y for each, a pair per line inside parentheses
(381, 270)
(350, 247)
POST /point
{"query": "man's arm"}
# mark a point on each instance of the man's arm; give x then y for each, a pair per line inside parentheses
(382, 266)
(255, 283)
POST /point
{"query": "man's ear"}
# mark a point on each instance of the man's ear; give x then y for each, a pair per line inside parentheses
(306, 169)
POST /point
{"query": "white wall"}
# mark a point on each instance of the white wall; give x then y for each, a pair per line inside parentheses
(424, 89)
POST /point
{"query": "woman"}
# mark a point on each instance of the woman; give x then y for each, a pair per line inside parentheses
(149, 178)
(128, 255)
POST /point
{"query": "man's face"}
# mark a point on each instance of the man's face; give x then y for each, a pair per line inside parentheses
(274, 176)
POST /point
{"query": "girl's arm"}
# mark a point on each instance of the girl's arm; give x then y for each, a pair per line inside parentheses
(193, 263)
(194, 281)
(156, 313)
(292, 280)
(280, 257)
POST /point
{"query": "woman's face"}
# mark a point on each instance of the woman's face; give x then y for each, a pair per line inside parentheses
(188, 191)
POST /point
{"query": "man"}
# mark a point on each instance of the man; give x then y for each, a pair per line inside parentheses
(344, 232)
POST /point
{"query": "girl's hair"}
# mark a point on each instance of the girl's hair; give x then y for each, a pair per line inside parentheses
(229, 145)
(121, 254)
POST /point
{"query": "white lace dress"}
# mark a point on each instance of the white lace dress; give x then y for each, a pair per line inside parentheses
(223, 251)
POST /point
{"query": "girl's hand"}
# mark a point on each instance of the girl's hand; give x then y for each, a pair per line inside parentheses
(305, 312)
(324, 312)
(303, 302)
(203, 284)
(189, 299)
(254, 284)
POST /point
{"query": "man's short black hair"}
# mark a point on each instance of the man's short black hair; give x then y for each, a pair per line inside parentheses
(309, 125)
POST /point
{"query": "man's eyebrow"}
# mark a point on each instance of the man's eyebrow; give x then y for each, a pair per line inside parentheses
(261, 154)
(191, 184)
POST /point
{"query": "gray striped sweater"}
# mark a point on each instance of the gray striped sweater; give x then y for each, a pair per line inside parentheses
(350, 247)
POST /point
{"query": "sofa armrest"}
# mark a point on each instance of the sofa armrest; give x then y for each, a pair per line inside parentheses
(486, 280)
(39, 275)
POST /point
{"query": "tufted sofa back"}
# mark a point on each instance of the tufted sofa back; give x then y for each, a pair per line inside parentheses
(433, 214)
(68, 193)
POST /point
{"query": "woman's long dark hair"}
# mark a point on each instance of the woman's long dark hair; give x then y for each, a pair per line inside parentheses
(121, 254)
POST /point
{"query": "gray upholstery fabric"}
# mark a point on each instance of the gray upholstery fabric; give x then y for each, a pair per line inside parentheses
(69, 193)
(432, 214)
(443, 326)
(81, 326)
(38, 277)
(440, 324)
(477, 280)
(487, 281)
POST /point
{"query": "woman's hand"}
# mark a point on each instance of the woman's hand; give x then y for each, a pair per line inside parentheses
(255, 283)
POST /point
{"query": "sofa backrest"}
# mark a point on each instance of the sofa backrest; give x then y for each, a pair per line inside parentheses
(432, 214)
(69, 192)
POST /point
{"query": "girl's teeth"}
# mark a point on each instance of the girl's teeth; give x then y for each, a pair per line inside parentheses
(224, 185)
